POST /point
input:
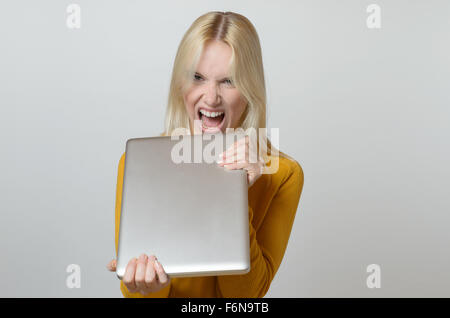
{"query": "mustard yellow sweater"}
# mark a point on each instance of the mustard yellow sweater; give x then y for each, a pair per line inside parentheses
(272, 205)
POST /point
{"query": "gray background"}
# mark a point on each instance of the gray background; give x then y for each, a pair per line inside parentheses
(365, 112)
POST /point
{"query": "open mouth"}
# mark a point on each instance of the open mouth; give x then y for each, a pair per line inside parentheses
(212, 121)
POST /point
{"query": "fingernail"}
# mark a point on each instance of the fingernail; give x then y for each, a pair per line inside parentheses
(143, 257)
(158, 265)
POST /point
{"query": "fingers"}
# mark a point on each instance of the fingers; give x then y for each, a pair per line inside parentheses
(128, 278)
(112, 265)
(254, 170)
(145, 275)
(243, 150)
(139, 278)
(238, 157)
(237, 153)
(162, 276)
(151, 280)
(237, 147)
(232, 148)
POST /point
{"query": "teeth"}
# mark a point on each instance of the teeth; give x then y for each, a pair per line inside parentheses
(210, 114)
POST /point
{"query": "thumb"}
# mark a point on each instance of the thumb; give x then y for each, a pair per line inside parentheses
(112, 265)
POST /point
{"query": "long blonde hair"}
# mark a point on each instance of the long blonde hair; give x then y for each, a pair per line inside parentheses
(247, 70)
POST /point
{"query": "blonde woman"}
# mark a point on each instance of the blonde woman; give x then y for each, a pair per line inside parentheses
(218, 81)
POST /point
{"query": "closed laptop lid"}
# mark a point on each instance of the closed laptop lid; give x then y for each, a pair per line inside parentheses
(190, 213)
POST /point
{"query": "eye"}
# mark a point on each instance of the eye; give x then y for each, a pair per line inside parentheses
(228, 81)
(197, 77)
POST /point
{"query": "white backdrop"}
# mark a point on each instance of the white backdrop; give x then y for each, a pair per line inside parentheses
(364, 111)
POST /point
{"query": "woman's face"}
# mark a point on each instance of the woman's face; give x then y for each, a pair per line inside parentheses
(212, 98)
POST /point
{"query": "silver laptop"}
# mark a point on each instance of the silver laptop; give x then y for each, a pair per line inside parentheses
(192, 214)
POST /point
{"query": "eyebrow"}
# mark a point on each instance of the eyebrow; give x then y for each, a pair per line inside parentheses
(198, 73)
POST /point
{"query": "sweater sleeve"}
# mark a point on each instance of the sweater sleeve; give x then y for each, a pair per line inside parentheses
(267, 246)
(163, 293)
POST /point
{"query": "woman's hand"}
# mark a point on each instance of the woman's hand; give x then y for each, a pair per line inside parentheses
(144, 275)
(237, 157)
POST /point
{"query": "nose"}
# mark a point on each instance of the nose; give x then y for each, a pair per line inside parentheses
(212, 95)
